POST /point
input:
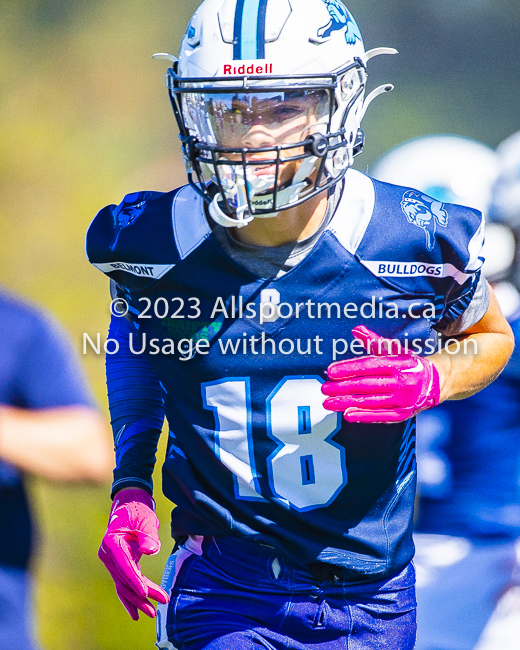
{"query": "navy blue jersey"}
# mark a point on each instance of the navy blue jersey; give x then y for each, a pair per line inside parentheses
(471, 460)
(252, 452)
(38, 370)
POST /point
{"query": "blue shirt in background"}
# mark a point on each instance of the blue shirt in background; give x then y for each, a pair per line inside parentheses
(38, 370)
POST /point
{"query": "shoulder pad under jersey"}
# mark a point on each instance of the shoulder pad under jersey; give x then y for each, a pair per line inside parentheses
(140, 240)
(407, 238)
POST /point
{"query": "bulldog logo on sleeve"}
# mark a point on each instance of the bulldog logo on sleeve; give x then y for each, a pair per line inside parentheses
(424, 212)
(127, 212)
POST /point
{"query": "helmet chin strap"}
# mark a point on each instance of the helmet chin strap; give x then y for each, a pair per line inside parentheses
(256, 184)
(222, 218)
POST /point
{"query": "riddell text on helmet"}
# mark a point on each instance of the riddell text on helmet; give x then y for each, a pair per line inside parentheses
(246, 67)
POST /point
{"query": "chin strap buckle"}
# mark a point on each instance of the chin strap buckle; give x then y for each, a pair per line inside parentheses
(189, 145)
(317, 145)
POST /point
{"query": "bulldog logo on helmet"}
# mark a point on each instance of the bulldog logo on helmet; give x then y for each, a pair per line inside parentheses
(127, 212)
(340, 18)
(424, 212)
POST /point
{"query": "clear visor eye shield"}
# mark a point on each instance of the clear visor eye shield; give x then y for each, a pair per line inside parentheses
(260, 145)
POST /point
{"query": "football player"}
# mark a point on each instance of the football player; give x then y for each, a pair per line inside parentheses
(273, 270)
(469, 450)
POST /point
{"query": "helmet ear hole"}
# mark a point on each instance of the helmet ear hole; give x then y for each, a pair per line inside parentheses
(340, 160)
(348, 86)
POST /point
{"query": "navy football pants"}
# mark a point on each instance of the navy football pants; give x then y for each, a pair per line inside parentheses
(227, 594)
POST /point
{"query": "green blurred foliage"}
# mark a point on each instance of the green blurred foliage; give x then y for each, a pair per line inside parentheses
(85, 118)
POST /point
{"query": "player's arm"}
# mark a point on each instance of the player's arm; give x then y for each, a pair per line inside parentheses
(476, 364)
(137, 412)
(386, 387)
(51, 427)
(136, 408)
(69, 443)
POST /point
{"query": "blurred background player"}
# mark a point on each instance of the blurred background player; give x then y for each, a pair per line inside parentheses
(49, 428)
(468, 517)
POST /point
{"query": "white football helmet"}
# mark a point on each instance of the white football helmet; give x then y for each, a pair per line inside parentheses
(269, 97)
(505, 204)
(506, 194)
(453, 169)
(449, 168)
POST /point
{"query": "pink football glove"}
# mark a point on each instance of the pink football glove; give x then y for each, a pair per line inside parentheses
(132, 530)
(383, 387)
